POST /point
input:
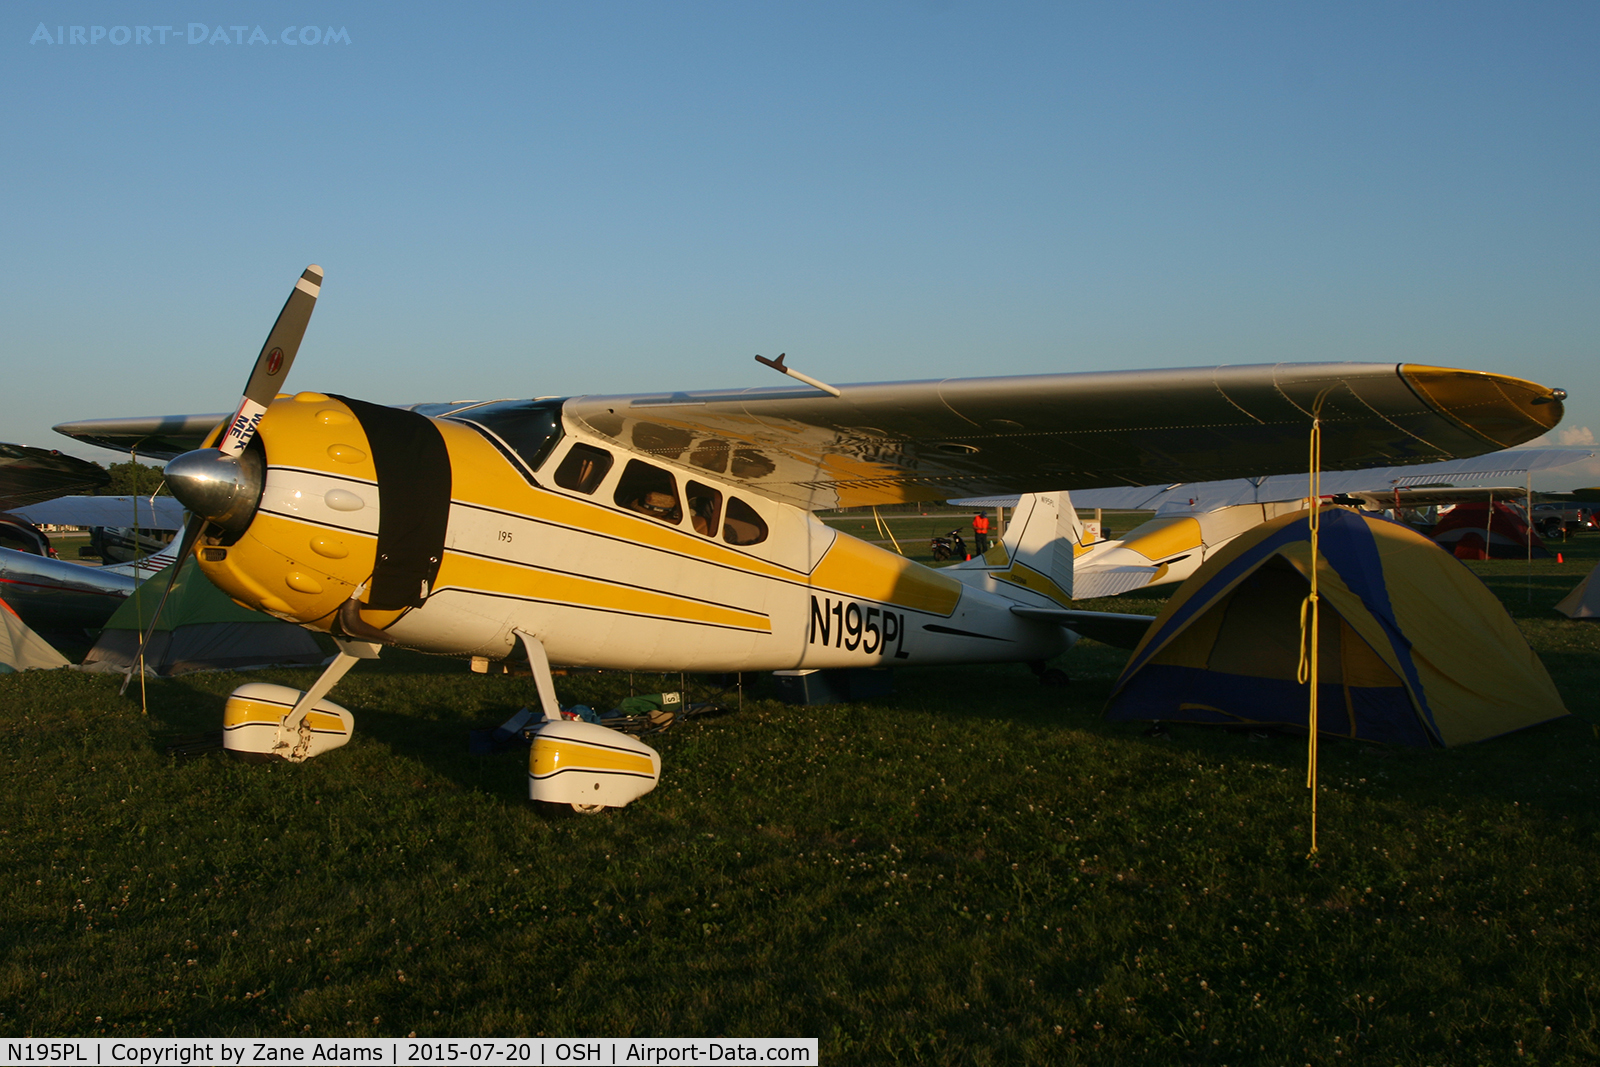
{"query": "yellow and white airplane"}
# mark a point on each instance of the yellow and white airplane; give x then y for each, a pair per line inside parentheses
(676, 531)
(1195, 520)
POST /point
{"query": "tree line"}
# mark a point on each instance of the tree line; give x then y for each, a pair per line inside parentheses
(133, 477)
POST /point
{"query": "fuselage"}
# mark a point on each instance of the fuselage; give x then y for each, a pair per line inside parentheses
(57, 595)
(614, 558)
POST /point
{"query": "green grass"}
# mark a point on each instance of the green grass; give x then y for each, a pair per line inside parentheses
(976, 870)
(67, 544)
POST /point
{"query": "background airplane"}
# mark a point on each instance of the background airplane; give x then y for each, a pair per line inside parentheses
(121, 528)
(1194, 519)
(62, 600)
(29, 475)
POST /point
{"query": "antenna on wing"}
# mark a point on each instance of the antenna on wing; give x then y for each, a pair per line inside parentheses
(777, 365)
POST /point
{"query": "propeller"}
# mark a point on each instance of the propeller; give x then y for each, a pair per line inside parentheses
(272, 365)
(221, 485)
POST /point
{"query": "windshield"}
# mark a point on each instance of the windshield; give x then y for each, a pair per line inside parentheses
(525, 429)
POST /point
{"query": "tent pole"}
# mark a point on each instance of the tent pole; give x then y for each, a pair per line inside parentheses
(144, 698)
(1528, 513)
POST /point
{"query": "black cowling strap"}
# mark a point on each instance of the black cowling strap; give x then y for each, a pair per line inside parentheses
(414, 502)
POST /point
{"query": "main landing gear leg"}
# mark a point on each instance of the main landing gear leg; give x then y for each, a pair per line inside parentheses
(539, 664)
(294, 737)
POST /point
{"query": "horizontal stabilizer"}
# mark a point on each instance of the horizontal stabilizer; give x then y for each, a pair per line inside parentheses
(1107, 627)
(1089, 584)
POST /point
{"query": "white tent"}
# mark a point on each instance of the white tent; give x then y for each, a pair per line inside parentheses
(21, 649)
(1584, 601)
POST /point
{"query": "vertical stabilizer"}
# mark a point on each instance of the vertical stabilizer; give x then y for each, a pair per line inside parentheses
(1041, 538)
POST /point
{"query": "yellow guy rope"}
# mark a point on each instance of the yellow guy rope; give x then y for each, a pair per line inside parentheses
(1310, 644)
(884, 531)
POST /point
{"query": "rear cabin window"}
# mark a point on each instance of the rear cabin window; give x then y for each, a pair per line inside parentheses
(584, 468)
(649, 491)
(705, 508)
(742, 526)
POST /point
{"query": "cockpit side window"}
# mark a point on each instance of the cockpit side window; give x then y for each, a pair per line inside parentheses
(742, 526)
(705, 508)
(649, 491)
(584, 468)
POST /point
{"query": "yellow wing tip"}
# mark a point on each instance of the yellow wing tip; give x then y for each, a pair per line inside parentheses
(1505, 410)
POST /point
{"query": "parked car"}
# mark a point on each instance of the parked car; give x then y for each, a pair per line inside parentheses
(1550, 519)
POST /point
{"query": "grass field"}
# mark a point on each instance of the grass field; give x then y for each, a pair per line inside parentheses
(68, 544)
(975, 870)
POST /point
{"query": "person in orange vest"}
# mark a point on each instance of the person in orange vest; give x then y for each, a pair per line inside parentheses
(980, 533)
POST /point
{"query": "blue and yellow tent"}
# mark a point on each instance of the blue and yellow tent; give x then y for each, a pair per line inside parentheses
(1414, 649)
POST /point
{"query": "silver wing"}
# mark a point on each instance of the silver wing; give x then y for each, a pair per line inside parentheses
(934, 440)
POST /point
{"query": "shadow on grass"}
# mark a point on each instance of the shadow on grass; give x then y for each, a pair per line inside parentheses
(443, 702)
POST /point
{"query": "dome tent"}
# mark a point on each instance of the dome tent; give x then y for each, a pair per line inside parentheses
(1414, 649)
(1464, 530)
(199, 629)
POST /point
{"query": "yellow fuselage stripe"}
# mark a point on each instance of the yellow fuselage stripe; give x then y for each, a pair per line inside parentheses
(504, 578)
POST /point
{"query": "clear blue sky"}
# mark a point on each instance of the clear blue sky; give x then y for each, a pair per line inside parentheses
(535, 199)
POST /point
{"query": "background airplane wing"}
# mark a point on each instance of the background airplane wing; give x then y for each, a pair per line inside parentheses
(1497, 475)
(29, 475)
(165, 514)
(934, 440)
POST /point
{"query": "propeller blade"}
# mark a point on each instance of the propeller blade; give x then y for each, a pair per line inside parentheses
(191, 533)
(272, 365)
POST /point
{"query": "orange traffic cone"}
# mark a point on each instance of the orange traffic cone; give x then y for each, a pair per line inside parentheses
(1559, 559)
